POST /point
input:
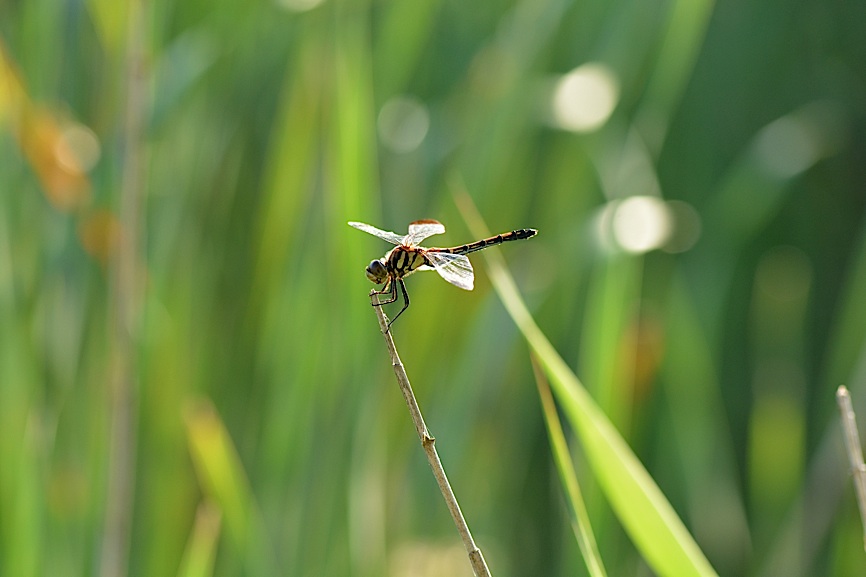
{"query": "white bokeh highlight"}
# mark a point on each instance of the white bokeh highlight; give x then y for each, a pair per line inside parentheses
(641, 224)
(403, 123)
(78, 148)
(584, 98)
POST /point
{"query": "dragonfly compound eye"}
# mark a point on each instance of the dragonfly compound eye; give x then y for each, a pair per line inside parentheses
(377, 272)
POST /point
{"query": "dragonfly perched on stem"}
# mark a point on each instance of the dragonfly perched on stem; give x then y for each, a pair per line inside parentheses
(407, 257)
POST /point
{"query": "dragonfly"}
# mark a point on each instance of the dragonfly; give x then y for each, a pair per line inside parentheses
(407, 257)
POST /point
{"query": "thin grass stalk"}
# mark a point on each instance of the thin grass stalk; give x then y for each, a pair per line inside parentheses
(564, 465)
(125, 304)
(428, 442)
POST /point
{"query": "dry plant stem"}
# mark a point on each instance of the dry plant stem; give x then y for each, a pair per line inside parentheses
(428, 443)
(855, 453)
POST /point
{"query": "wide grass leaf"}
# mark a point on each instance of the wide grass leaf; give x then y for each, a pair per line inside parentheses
(645, 513)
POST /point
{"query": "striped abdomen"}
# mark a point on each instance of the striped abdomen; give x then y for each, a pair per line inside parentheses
(492, 241)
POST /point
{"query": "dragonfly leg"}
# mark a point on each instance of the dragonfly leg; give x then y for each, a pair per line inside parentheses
(390, 290)
(405, 301)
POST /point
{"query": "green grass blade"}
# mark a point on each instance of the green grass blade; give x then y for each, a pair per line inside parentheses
(565, 467)
(224, 482)
(643, 510)
(198, 559)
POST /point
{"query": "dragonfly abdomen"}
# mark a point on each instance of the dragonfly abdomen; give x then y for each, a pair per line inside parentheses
(492, 241)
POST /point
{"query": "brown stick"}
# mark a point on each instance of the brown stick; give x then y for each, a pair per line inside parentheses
(428, 443)
(855, 453)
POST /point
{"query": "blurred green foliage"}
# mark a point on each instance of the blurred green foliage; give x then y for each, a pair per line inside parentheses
(267, 433)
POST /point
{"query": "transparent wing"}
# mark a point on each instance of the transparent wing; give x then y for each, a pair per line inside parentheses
(383, 234)
(455, 268)
(421, 229)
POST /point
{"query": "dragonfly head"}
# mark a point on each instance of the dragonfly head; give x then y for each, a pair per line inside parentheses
(377, 272)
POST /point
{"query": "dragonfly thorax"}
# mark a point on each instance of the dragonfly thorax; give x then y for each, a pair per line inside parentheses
(404, 260)
(377, 272)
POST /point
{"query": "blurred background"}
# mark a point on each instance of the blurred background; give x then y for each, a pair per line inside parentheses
(192, 381)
